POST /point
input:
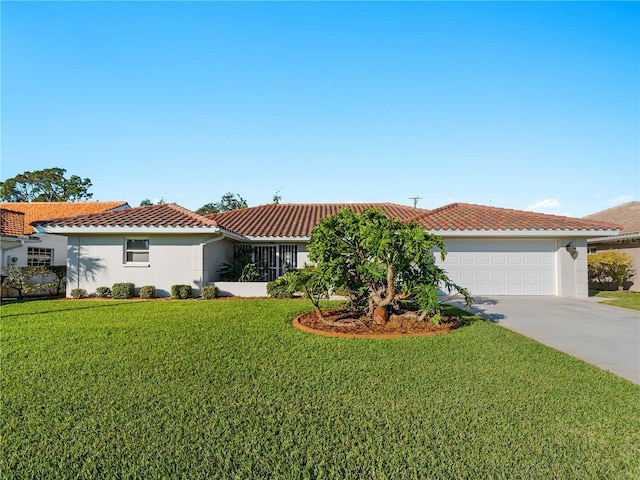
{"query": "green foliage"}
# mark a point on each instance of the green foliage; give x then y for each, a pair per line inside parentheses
(123, 290)
(181, 291)
(48, 185)
(209, 292)
(78, 293)
(280, 287)
(380, 260)
(229, 201)
(24, 279)
(146, 203)
(148, 291)
(161, 389)
(243, 268)
(610, 267)
(103, 292)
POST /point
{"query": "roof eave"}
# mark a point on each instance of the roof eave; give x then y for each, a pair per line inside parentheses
(127, 230)
(615, 238)
(521, 233)
(253, 238)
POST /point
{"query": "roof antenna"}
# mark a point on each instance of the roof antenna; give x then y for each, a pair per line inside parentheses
(415, 200)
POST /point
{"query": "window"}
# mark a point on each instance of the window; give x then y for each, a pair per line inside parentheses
(277, 259)
(593, 249)
(37, 257)
(136, 251)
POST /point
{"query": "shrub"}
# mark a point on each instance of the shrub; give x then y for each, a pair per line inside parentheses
(280, 287)
(181, 291)
(123, 290)
(610, 267)
(103, 292)
(148, 291)
(78, 293)
(209, 292)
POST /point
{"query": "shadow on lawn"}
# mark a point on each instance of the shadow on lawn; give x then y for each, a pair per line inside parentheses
(88, 307)
(477, 309)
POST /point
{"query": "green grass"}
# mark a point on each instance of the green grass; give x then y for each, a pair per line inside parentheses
(621, 299)
(229, 389)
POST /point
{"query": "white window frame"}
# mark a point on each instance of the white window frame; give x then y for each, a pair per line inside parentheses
(39, 251)
(126, 251)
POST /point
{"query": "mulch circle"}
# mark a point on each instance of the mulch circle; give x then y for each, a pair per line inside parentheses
(364, 328)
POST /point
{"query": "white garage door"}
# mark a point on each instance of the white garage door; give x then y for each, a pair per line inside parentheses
(524, 267)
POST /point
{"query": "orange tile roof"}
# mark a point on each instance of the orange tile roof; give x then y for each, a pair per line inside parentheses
(37, 211)
(295, 220)
(627, 215)
(163, 215)
(11, 223)
(465, 216)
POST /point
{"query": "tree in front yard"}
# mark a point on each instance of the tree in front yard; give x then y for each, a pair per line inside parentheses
(610, 266)
(381, 262)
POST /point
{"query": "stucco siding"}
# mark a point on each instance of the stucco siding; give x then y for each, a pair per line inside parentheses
(99, 260)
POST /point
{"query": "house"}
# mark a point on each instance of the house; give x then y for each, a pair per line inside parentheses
(12, 236)
(626, 241)
(492, 251)
(36, 249)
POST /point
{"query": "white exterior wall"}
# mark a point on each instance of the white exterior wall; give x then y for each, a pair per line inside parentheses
(569, 273)
(572, 270)
(215, 254)
(46, 240)
(98, 260)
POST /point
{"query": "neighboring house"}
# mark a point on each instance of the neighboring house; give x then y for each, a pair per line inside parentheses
(49, 249)
(12, 236)
(627, 241)
(492, 251)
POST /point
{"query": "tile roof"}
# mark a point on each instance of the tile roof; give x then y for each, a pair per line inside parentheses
(465, 216)
(11, 223)
(627, 215)
(36, 211)
(163, 215)
(295, 220)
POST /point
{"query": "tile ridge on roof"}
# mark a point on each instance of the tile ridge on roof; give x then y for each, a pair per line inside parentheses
(194, 215)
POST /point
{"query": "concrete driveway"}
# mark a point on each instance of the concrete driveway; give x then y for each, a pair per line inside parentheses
(603, 335)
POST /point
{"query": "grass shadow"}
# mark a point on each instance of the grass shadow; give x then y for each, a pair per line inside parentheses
(88, 307)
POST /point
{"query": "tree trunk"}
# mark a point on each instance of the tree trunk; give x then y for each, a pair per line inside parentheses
(391, 292)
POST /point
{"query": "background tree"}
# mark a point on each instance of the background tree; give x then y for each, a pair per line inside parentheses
(229, 201)
(276, 197)
(147, 203)
(381, 261)
(48, 185)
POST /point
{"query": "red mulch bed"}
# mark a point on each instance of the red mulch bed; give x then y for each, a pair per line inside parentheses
(363, 327)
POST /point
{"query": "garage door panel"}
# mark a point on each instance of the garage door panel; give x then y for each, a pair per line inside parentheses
(502, 267)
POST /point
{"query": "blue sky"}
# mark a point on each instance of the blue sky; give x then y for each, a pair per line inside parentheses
(518, 105)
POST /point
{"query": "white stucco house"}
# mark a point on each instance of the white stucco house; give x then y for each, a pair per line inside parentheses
(31, 248)
(491, 251)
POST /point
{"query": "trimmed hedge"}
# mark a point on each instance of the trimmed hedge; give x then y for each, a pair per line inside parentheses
(148, 291)
(209, 292)
(78, 293)
(103, 292)
(280, 287)
(123, 290)
(181, 291)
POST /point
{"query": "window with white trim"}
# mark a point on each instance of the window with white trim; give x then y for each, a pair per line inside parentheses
(136, 250)
(38, 257)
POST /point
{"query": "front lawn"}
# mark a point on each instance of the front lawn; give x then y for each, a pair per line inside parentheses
(621, 299)
(229, 389)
